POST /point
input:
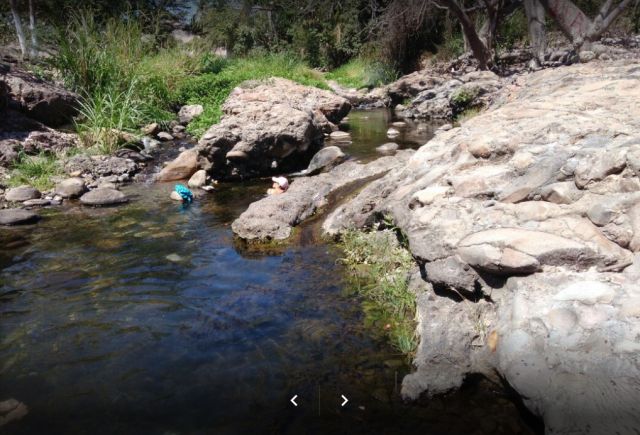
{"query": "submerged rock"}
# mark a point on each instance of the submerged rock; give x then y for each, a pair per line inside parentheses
(388, 148)
(103, 197)
(17, 216)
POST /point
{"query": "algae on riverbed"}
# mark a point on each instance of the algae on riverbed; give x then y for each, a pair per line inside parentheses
(381, 267)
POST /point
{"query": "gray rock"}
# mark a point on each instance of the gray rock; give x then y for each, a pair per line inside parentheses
(151, 129)
(21, 193)
(198, 179)
(189, 112)
(164, 136)
(40, 202)
(71, 187)
(325, 159)
(17, 216)
(387, 148)
(273, 121)
(103, 197)
(273, 217)
(183, 167)
(40, 100)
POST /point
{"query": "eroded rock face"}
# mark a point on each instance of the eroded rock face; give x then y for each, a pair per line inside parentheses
(40, 100)
(271, 127)
(525, 223)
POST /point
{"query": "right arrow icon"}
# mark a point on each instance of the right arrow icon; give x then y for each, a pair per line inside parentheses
(345, 400)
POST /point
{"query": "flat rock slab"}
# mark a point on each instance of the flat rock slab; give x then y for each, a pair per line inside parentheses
(103, 197)
(273, 217)
(17, 216)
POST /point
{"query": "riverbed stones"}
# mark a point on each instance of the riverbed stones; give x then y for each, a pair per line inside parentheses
(103, 197)
(183, 167)
(164, 136)
(189, 112)
(325, 159)
(38, 202)
(72, 187)
(198, 179)
(17, 216)
(21, 193)
(393, 133)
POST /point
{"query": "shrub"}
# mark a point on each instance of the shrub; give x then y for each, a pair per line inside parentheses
(361, 73)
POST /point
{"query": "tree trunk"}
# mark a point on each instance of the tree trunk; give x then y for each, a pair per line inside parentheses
(577, 26)
(537, 34)
(478, 47)
(32, 29)
(19, 31)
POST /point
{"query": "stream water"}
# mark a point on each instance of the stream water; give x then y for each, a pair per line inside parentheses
(148, 318)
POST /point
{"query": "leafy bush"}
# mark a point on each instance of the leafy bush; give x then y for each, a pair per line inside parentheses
(382, 267)
(362, 73)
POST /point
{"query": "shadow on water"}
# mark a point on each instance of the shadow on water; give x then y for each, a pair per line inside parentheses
(146, 319)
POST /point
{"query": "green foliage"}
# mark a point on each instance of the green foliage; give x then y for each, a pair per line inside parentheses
(212, 89)
(361, 73)
(382, 267)
(36, 171)
(124, 82)
(463, 96)
(452, 47)
(467, 114)
(513, 31)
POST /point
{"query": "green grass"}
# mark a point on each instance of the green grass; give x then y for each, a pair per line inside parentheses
(37, 171)
(124, 82)
(211, 89)
(361, 73)
(381, 267)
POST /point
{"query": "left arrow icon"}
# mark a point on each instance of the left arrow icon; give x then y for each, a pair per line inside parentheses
(293, 400)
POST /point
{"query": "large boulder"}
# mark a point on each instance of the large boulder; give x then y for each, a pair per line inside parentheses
(269, 127)
(43, 101)
(100, 166)
(183, 167)
(525, 223)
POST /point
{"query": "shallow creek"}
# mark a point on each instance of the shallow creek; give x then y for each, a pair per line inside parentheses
(148, 318)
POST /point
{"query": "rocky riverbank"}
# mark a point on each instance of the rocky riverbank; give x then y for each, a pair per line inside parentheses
(524, 224)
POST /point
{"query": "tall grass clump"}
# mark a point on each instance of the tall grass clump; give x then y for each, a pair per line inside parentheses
(381, 267)
(362, 73)
(123, 79)
(220, 76)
